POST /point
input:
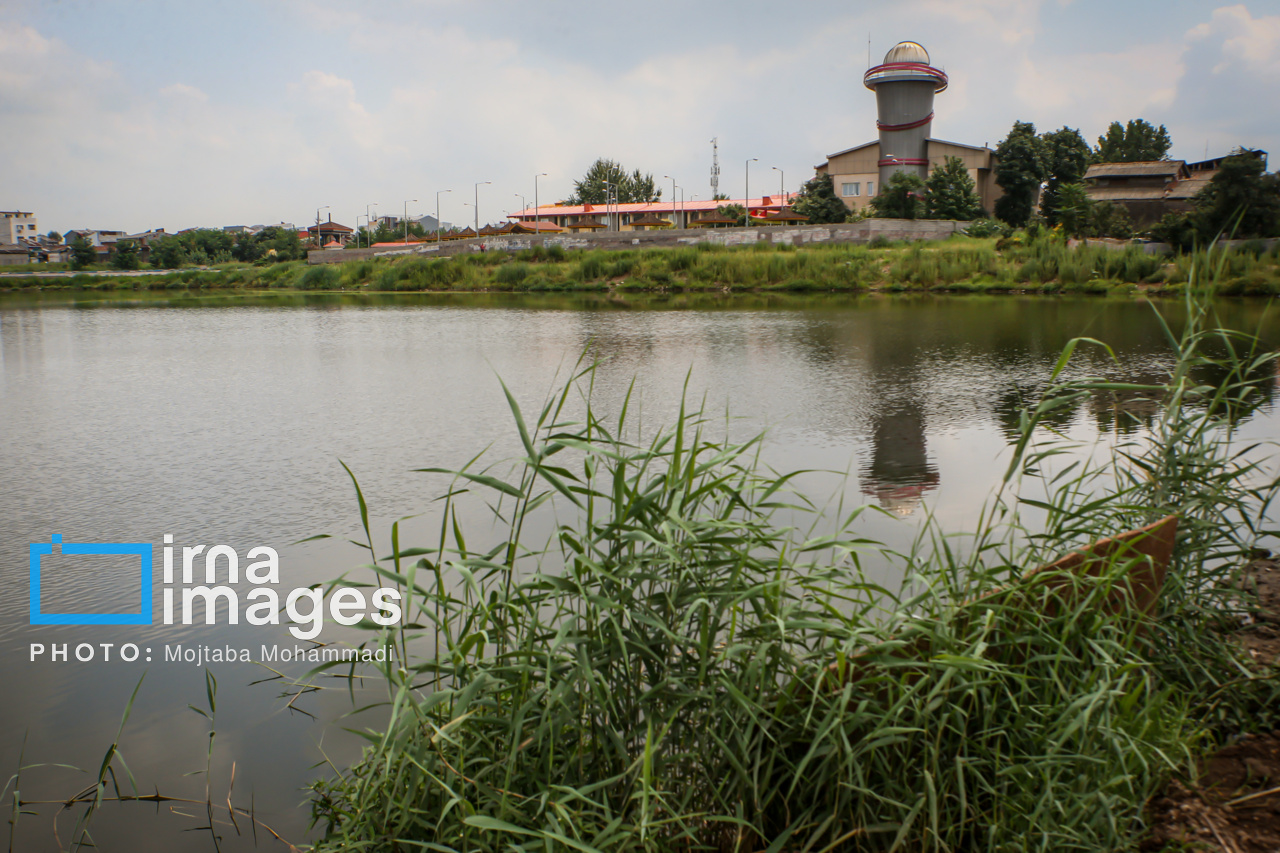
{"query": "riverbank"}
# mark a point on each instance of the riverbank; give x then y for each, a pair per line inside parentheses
(961, 264)
(1234, 798)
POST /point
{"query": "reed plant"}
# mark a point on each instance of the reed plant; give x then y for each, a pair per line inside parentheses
(694, 658)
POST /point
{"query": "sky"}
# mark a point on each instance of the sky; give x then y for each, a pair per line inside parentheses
(138, 115)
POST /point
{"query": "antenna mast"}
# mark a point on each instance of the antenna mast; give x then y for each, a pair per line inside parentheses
(715, 168)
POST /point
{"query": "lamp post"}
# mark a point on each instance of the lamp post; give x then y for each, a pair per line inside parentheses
(535, 196)
(608, 194)
(673, 197)
(473, 207)
(368, 221)
(782, 187)
(477, 205)
(406, 219)
(318, 209)
(438, 213)
(746, 202)
(524, 205)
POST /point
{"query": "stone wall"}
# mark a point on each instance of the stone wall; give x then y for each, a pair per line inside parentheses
(846, 232)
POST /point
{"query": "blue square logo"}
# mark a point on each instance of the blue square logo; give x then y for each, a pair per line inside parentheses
(141, 549)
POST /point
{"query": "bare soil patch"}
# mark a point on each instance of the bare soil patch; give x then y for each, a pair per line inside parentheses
(1234, 806)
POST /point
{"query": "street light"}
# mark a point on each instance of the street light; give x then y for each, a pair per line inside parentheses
(406, 219)
(746, 202)
(477, 205)
(473, 207)
(438, 213)
(782, 187)
(318, 209)
(524, 204)
(673, 197)
(535, 196)
(608, 191)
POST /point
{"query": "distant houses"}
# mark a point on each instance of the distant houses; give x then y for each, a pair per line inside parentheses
(1149, 189)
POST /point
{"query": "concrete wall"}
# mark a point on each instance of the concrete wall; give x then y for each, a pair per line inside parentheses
(845, 232)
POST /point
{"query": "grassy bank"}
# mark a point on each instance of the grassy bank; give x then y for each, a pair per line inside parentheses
(961, 264)
(694, 659)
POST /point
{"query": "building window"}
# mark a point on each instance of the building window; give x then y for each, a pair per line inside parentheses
(848, 190)
(871, 187)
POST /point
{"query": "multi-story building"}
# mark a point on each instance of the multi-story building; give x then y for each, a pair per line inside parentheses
(855, 172)
(15, 225)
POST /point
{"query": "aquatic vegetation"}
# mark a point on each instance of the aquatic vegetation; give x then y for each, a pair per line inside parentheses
(695, 659)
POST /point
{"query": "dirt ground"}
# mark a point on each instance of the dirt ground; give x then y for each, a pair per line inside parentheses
(1235, 804)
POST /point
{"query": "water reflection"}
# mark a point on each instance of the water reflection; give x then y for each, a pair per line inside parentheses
(900, 472)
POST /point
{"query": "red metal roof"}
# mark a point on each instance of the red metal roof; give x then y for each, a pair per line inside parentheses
(767, 202)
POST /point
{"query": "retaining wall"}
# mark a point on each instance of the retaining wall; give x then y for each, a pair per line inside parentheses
(845, 232)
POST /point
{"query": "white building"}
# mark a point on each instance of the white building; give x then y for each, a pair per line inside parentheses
(16, 224)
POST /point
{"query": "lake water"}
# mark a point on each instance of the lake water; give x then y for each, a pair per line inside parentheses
(222, 420)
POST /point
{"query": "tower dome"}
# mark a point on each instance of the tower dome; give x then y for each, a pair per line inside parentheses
(907, 51)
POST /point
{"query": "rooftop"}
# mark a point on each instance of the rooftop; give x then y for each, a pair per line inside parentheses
(1137, 169)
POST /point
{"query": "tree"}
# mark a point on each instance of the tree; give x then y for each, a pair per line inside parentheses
(1241, 200)
(608, 180)
(282, 244)
(736, 212)
(82, 252)
(902, 198)
(126, 257)
(952, 194)
(1066, 159)
(1136, 141)
(1108, 219)
(1019, 172)
(54, 237)
(1179, 229)
(198, 246)
(817, 200)
(1074, 210)
(247, 248)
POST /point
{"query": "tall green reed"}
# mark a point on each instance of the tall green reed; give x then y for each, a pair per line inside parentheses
(693, 659)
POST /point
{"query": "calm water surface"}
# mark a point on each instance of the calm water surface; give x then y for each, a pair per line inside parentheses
(222, 420)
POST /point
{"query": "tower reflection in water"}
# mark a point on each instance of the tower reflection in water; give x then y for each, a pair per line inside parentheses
(899, 472)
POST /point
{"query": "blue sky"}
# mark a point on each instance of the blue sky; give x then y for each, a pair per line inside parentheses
(136, 115)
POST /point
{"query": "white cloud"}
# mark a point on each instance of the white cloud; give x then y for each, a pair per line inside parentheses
(183, 92)
(1253, 42)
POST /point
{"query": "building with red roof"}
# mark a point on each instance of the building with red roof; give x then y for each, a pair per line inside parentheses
(641, 216)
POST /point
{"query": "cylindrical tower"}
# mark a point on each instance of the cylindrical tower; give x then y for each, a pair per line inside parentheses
(904, 85)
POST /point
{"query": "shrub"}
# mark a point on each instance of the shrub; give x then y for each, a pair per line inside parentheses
(512, 274)
(319, 277)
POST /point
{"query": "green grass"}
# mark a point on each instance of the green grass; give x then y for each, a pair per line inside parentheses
(1043, 263)
(669, 670)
